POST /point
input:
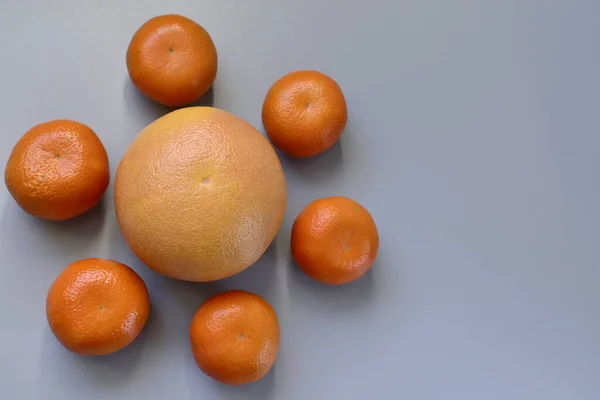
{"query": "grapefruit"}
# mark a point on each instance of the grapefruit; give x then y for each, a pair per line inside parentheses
(200, 194)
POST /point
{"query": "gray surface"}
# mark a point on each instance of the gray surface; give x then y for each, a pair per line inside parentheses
(473, 138)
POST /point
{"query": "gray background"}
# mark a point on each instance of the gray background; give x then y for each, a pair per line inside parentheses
(472, 138)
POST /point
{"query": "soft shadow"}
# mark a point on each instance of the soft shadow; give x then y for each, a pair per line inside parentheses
(138, 104)
(208, 100)
(89, 374)
(187, 296)
(263, 389)
(174, 304)
(23, 232)
(350, 297)
(84, 225)
(259, 278)
(320, 167)
(169, 296)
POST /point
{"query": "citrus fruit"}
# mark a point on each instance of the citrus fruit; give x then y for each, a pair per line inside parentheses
(172, 60)
(235, 337)
(334, 240)
(304, 113)
(200, 194)
(57, 170)
(96, 306)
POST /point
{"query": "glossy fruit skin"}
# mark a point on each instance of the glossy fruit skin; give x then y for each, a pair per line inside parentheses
(172, 60)
(200, 194)
(304, 113)
(97, 306)
(57, 170)
(334, 240)
(235, 337)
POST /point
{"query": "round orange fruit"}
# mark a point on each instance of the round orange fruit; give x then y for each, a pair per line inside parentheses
(235, 337)
(96, 306)
(172, 60)
(334, 240)
(57, 170)
(304, 113)
(200, 194)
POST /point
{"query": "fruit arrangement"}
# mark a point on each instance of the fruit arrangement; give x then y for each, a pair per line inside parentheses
(199, 196)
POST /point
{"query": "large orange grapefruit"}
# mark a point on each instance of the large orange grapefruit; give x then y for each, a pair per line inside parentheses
(200, 194)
